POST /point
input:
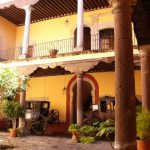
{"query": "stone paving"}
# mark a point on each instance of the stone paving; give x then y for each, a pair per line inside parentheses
(33, 142)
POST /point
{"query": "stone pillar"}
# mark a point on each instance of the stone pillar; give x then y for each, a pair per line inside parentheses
(125, 116)
(25, 45)
(79, 99)
(23, 104)
(145, 76)
(80, 26)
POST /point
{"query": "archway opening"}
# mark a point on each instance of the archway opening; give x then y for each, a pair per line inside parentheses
(86, 98)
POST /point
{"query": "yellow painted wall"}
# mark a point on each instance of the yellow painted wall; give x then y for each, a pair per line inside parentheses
(52, 86)
(7, 34)
(56, 29)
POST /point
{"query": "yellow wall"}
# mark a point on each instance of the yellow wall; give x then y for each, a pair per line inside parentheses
(52, 86)
(7, 34)
(56, 29)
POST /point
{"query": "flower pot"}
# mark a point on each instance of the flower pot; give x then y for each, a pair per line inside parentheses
(53, 52)
(143, 145)
(75, 137)
(13, 132)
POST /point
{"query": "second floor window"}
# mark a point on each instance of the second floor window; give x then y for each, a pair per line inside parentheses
(106, 38)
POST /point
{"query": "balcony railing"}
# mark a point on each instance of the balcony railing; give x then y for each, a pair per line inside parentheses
(65, 46)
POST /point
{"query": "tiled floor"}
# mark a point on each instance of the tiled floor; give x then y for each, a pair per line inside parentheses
(32, 142)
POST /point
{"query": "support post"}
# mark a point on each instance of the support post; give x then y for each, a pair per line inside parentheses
(145, 76)
(26, 35)
(22, 118)
(80, 20)
(125, 116)
(79, 99)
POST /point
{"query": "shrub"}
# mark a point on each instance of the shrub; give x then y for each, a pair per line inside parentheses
(12, 110)
(143, 125)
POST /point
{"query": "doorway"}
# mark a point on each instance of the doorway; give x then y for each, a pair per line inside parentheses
(86, 38)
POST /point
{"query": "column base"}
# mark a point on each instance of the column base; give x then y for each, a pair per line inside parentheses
(78, 49)
(125, 146)
(23, 56)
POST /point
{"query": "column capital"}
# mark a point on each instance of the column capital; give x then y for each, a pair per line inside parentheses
(121, 6)
(145, 47)
(22, 3)
(79, 67)
(28, 8)
(79, 75)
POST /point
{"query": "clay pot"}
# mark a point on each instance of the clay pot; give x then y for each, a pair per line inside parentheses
(53, 52)
(13, 132)
(75, 137)
(143, 145)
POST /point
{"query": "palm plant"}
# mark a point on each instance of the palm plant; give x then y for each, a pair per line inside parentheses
(106, 128)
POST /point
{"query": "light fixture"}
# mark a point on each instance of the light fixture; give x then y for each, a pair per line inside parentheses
(64, 88)
(66, 22)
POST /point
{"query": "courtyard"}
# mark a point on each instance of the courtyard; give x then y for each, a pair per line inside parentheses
(53, 142)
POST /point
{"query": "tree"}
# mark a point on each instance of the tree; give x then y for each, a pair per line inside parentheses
(10, 83)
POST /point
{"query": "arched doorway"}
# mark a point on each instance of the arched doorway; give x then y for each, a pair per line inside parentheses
(87, 99)
(92, 86)
(86, 38)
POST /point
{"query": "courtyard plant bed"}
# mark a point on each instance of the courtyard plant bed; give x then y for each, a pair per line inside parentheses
(87, 134)
(6, 147)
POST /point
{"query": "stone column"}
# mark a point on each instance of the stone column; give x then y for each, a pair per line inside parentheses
(145, 76)
(23, 104)
(25, 45)
(79, 99)
(125, 118)
(80, 26)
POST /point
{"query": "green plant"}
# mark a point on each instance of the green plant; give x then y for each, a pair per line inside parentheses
(74, 128)
(12, 110)
(10, 83)
(143, 125)
(106, 129)
(87, 129)
(87, 139)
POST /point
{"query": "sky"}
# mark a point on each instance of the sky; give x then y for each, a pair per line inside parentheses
(5, 1)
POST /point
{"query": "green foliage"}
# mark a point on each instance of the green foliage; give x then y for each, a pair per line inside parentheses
(10, 82)
(143, 125)
(88, 129)
(74, 128)
(106, 128)
(12, 110)
(87, 139)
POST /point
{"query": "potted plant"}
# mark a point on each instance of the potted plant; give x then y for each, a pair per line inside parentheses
(143, 130)
(13, 111)
(53, 52)
(87, 134)
(74, 129)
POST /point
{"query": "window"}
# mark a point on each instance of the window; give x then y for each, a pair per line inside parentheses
(106, 37)
(103, 106)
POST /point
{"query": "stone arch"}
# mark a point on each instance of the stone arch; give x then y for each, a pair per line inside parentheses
(95, 93)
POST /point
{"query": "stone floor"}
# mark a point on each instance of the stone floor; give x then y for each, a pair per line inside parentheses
(54, 142)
